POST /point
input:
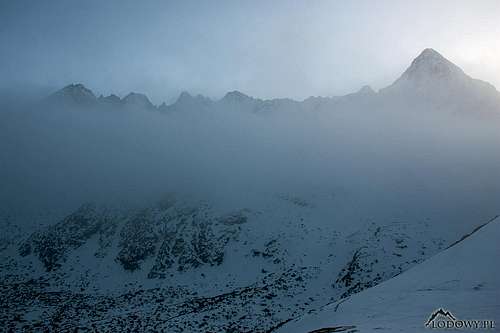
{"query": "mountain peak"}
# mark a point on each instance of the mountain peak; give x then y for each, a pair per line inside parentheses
(74, 93)
(184, 97)
(430, 64)
(429, 52)
(137, 99)
(111, 99)
(431, 73)
(366, 90)
(77, 88)
(236, 96)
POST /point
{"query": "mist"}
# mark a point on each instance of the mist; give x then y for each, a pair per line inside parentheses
(376, 161)
(260, 166)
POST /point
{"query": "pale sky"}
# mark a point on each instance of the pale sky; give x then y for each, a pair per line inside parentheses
(263, 48)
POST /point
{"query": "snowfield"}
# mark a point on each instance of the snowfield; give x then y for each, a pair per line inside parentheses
(463, 279)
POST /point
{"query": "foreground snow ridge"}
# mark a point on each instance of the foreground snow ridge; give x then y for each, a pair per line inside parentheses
(463, 279)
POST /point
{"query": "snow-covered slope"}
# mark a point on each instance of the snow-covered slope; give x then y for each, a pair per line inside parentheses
(463, 279)
(205, 268)
(438, 83)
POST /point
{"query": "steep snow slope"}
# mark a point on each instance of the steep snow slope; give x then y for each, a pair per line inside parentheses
(437, 82)
(463, 279)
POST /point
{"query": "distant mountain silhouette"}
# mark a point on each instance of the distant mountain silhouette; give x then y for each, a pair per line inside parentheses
(430, 80)
(74, 94)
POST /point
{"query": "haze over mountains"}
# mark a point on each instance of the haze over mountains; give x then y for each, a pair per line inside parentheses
(430, 76)
(238, 214)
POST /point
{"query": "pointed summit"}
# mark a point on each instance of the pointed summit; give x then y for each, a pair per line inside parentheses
(76, 94)
(362, 95)
(366, 90)
(77, 89)
(430, 73)
(186, 95)
(433, 79)
(186, 100)
(430, 64)
(429, 52)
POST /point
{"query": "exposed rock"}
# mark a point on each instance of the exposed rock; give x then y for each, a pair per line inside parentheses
(136, 100)
(52, 244)
(73, 94)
